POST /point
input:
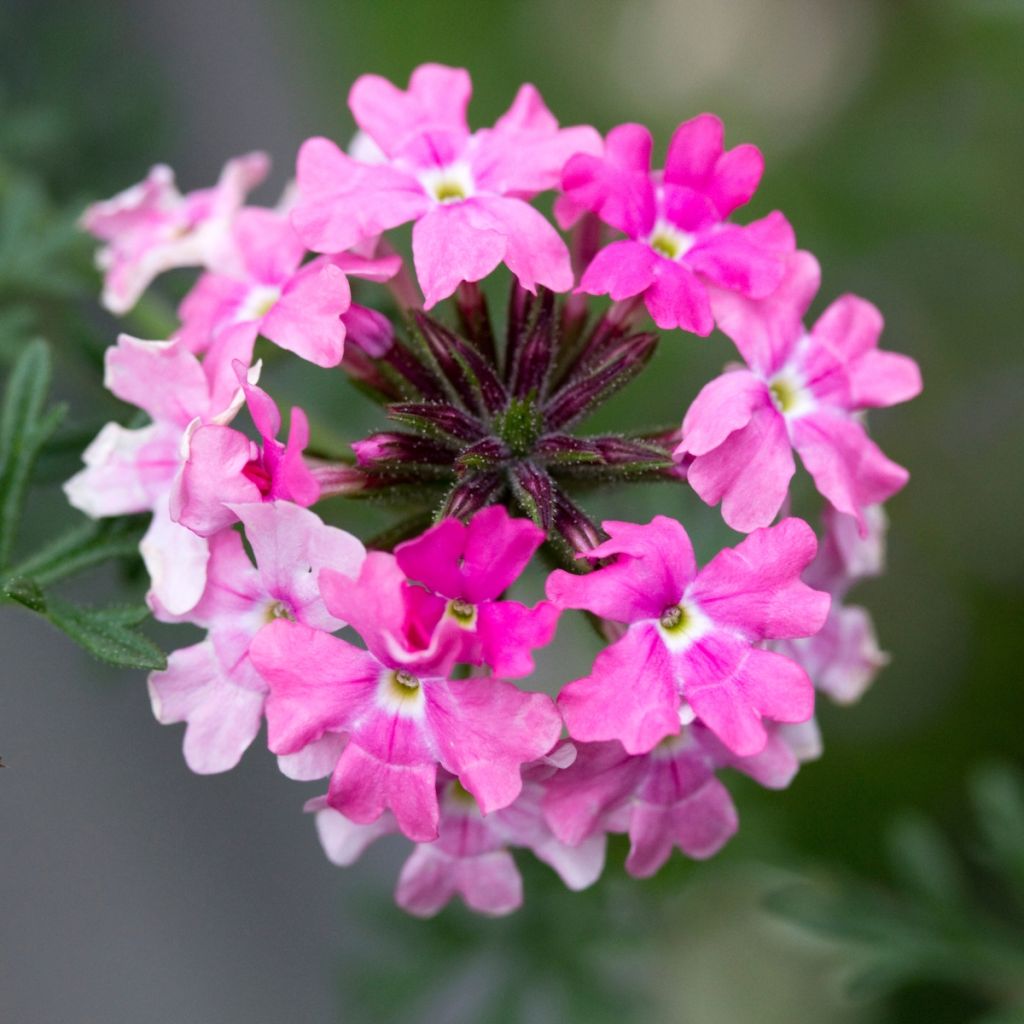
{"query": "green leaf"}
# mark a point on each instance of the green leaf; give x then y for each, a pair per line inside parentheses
(105, 633)
(85, 545)
(24, 428)
(25, 592)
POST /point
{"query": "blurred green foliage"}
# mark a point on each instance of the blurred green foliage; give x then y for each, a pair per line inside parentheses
(952, 921)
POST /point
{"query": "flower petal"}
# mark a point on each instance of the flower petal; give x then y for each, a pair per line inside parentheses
(630, 695)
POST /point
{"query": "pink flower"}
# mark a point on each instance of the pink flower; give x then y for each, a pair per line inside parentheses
(690, 646)
(801, 390)
(129, 471)
(678, 240)
(467, 568)
(847, 554)
(467, 192)
(151, 227)
(224, 468)
(844, 657)
(669, 797)
(401, 713)
(213, 686)
(263, 287)
(470, 858)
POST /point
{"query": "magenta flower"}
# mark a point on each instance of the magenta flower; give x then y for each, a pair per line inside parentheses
(151, 227)
(129, 471)
(213, 686)
(678, 239)
(467, 192)
(467, 568)
(669, 797)
(224, 468)
(801, 390)
(263, 287)
(690, 646)
(402, 715)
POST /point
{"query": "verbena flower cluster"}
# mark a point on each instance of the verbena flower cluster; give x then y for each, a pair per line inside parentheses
(402, 670)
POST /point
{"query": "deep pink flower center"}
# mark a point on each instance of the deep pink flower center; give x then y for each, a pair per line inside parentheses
(258, 474)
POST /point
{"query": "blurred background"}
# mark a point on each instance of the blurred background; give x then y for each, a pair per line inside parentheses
(880, 887)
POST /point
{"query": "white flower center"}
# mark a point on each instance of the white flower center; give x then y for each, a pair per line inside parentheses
(258, 303)
(669, 241)
(400, 693)
(790, 394)
(451, 184)
(680, 625)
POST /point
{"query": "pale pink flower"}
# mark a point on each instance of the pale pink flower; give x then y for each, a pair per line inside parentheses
(470, 857)
(151, 227)
(847, 554)
(843, 657)
(129, 471)
(401, 713)
(213, 686)
(467, 568)
(224, 468)
(690, 649)
(801, 390)
(668, 797)
(467, 192)
(262, 287)
(679, 241)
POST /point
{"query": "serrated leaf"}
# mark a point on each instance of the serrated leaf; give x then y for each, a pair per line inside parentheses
(85, 545)
(122, 614)
(24, 428)
(105, 633)
(26, 592)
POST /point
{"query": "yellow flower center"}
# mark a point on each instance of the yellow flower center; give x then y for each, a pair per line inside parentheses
(449, 191)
